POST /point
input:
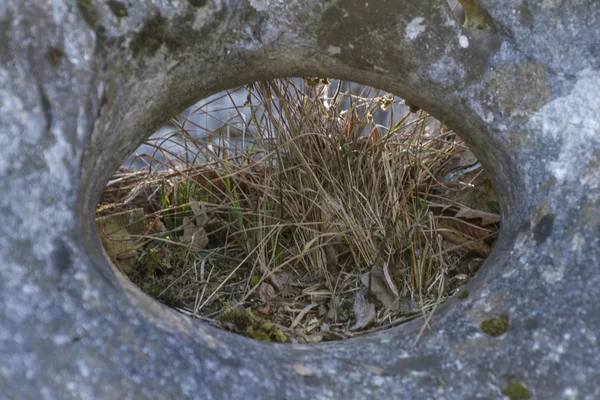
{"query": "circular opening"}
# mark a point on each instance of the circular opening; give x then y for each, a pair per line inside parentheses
(301, 210)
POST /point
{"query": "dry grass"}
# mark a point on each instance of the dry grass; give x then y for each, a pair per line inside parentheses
(307, 213)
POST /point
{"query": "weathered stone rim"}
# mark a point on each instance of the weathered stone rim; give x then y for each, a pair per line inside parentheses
(521, 86)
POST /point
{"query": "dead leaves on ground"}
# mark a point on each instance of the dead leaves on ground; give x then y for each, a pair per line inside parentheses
(464, 227)
(194, 234)
(364, 312)
(385, 290)
(332, 316)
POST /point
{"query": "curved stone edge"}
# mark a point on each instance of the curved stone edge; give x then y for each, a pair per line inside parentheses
(56, 291)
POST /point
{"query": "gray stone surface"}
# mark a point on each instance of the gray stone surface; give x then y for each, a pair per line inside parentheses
(82, 83)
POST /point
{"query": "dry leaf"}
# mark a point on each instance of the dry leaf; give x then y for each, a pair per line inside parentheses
(364, 312)
(302, 370)
(266, 310)
(281, 279)
(157, 226)
(314, 337)
(388, 279)
(333, 248)
(486, 217)
(466, 228)
(375, 134)
(199, 211)
(476, 245)
(464, 214)
(463, 158)
(322, 310)
(334, 306)
(194, 236)
(408, 306)
(448, 245)
(301, 315)
(266, 292)
(301, 337)
(379, 287)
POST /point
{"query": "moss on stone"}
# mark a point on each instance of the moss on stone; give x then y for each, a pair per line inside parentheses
(240, 318)
(118, 9)
(115, 231)
(495, 326)
(463, 295)
(154, 290)
(149, 39)
(157, 32)
(88, 12)
(521, 87)
(266, 332)
(253, 327)
(149, 262)
(515, 390)
(197, 3)
(475, 17)
(54, 55)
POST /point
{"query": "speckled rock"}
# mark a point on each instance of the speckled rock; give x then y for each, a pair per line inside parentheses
(82, 83)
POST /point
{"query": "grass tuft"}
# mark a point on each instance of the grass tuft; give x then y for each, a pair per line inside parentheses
(295, 200)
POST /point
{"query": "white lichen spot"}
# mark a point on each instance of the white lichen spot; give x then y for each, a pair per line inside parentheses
(463, 41)
(591, 178)
(61, 339)
(553, 274)
(510, 272)
(589, 335)
(571, 394)
(566, 121)
(560, 171)
(550, 3)
(210, 341)
(333, 50)
(577, 242)
(378, 381)
(415, 28)
(489, 118)
(260, 5)
(446, 71)
(545, 343)
(30, 289)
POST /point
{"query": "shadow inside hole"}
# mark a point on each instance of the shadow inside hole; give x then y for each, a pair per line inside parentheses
(301, 210)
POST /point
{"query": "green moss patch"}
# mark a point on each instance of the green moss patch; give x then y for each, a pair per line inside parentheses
(495, 326)
(153, 35)
(88, 12)
(244, 322)
(474, 16)
(515, 390)
(118, 9)
(118, 233)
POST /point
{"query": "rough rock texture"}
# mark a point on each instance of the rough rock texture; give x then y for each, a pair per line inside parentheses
(82, 83)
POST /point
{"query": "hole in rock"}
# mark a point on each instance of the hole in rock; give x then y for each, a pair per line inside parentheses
(301, 210)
